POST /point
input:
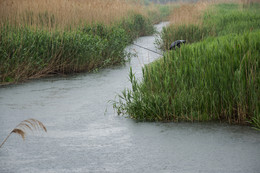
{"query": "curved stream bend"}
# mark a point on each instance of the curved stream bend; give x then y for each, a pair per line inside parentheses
(82, 138)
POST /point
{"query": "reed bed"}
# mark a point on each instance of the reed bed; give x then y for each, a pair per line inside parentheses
(214, 79)
(217, 79)
(189, 13)
(40, 38)
(64, 13)
(30, 54)
(211, 20)
(26, 53)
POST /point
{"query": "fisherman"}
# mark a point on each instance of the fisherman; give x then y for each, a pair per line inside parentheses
(177, 43)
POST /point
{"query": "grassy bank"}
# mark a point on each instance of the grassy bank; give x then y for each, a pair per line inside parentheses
(215, 79)
(206, 20)
(39, 38)
(32, 53)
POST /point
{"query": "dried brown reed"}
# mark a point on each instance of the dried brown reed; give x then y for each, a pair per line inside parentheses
(188, 13)
(21, 129)
(65, 13)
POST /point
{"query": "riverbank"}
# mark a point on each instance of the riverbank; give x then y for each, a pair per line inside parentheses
(36, 42)
(27, 53)
(214, 79)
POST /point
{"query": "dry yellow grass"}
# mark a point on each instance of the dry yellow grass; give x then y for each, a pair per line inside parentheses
(190, 13)
(66, 12)
(30, 124)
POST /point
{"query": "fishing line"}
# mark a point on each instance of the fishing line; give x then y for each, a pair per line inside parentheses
(147, 49)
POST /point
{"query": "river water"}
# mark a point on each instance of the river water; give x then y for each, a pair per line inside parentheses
(85, 134)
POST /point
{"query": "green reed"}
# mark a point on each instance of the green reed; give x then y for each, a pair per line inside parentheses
(27, 52)
(221, 19)
(216, 79)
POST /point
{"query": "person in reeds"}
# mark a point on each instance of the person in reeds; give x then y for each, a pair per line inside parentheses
(177, 43)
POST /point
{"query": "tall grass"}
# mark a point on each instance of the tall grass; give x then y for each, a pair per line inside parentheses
(188, 13)
(66, 12)
(49, 37)
(32, 53)
(217, 20)
(216, 78)
(27, 53)
(161, 12)
(70, 13)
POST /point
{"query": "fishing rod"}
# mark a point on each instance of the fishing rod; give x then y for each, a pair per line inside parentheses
(147, 49)
(175, 44)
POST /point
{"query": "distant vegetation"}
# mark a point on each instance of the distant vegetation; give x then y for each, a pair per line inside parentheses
(38, 38)
(221, 20)
(166, 1)
(215, 78)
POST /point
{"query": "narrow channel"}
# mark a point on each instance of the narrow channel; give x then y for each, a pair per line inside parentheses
(86, 135)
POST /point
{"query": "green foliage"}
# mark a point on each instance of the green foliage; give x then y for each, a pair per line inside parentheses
(164, 10)
(222, 20)
(214, 79)
(27, 53)
(136, 25)
(190, 33)
(32, 52)
(162, 13)
(217, 79)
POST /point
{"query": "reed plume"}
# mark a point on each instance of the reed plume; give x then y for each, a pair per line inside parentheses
(22, 128)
